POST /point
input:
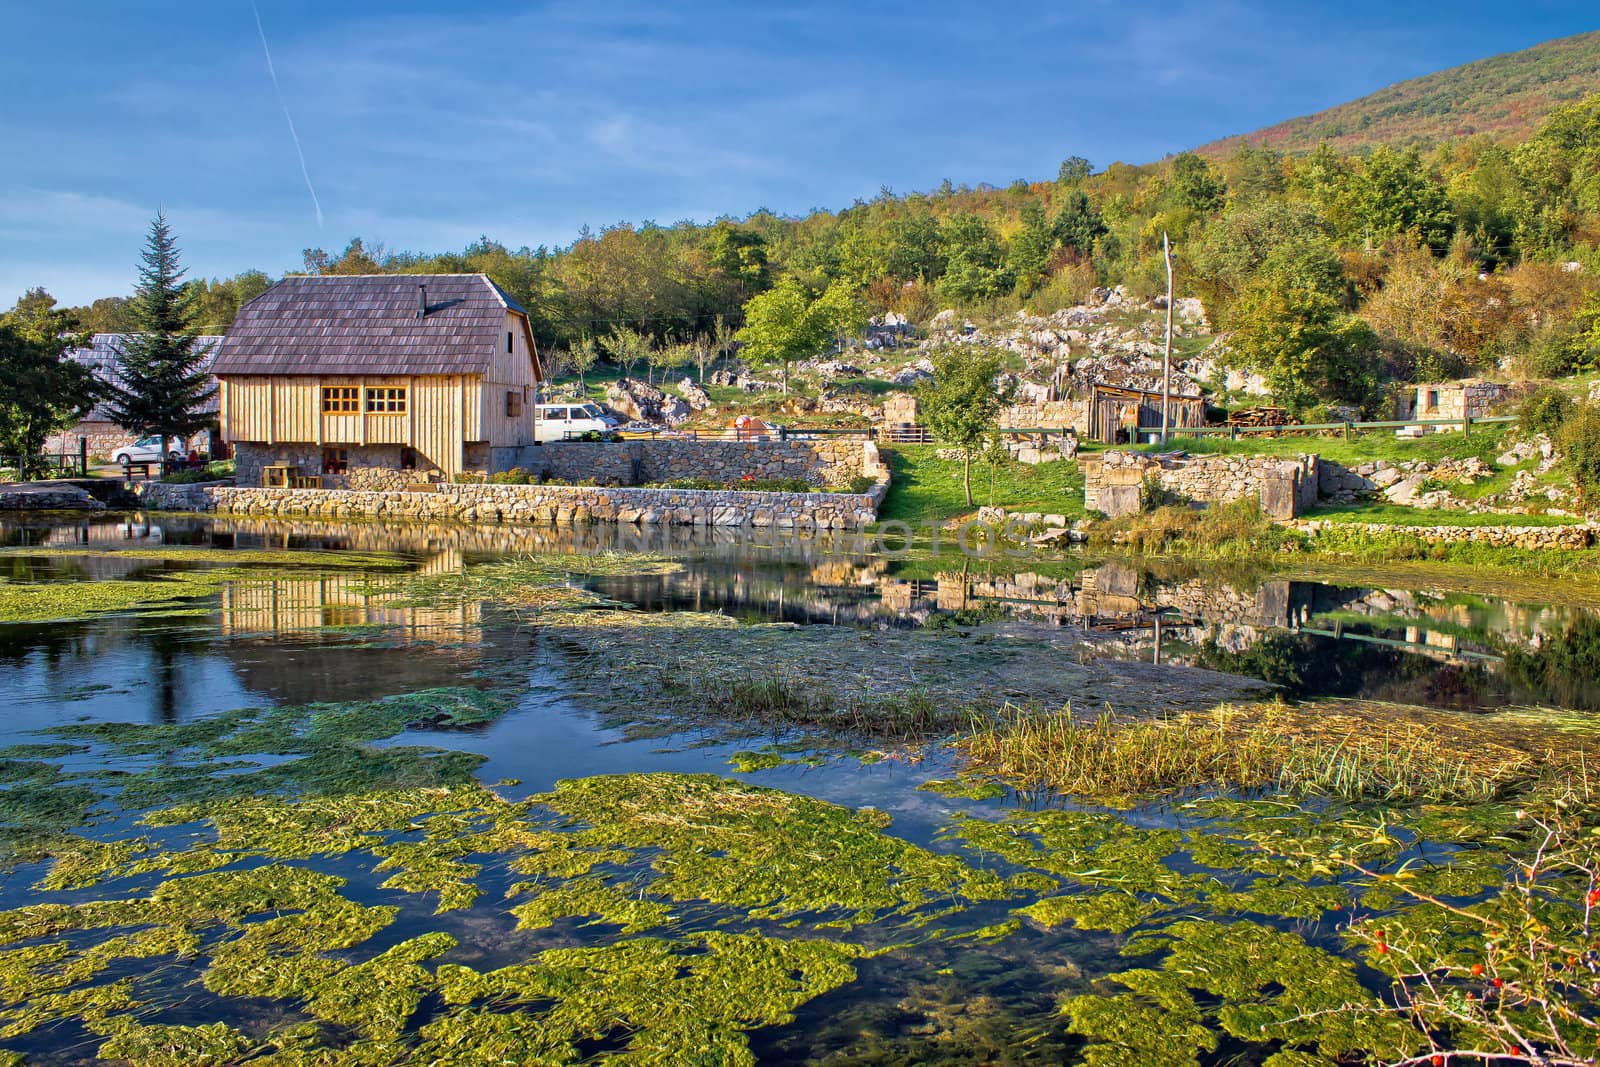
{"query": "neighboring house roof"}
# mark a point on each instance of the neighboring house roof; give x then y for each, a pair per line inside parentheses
(104, 357)
(368, 324)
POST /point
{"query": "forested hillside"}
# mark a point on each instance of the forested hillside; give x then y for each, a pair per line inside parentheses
(1337, 275)
(1506, 96)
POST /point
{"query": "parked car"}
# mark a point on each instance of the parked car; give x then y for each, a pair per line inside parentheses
(565, 422)
(148, 450)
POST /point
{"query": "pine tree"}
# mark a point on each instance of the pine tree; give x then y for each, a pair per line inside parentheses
(164, 382)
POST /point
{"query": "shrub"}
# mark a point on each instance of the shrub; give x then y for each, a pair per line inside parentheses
(214, 471)
(1544, 411)
(514, 476)
(1236, 529)
(1579, 442)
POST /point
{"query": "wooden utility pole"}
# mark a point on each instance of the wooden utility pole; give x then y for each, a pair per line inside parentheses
(1166, 354)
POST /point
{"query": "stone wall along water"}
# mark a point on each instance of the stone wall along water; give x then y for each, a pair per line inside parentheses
(546, 504)
(824, 462)
(1114, 480)
(1569, 536)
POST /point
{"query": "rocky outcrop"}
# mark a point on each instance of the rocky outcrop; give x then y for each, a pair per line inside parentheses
(697, 398)
(637, 401)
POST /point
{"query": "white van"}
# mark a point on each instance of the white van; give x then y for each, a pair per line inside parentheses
(563, 422)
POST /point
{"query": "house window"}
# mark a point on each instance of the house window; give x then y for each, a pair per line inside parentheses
(335, 461)
(513, 404)
(509, 346)
(386, 400)
(340, 399)
(1433, 399)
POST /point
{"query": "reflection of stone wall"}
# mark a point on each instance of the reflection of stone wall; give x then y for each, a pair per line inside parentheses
(1114, 480)
(541, 504)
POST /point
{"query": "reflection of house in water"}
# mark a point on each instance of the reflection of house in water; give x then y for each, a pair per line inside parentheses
(289, 605)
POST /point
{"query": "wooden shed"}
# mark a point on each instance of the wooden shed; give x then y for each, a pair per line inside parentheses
(1115, 410)
(376, 381)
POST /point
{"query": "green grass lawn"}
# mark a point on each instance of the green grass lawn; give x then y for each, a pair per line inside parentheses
(928, 489)
(1395, 515)
(1485, 442)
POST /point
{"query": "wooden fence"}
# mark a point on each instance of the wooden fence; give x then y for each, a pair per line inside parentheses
(1465, 425)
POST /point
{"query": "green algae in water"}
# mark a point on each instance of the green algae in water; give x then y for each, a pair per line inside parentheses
(63, 601)
(285, 933)
(1272, 987)
(967, 788)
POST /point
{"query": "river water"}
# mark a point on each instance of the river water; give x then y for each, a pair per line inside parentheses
(283, 640)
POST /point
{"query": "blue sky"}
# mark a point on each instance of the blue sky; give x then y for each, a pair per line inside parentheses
(424, 125)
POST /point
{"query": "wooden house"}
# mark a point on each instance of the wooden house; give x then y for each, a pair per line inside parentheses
(99, 429)
(376, 381)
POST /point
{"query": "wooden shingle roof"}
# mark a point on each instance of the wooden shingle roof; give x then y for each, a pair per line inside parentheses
(368, 324)
(103, 357)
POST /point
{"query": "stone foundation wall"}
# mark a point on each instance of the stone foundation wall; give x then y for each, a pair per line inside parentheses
(539, 505)
(828, 461)
(375, 467)
(1114, 481)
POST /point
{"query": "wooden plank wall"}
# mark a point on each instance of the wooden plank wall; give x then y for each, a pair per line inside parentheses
(443, 413)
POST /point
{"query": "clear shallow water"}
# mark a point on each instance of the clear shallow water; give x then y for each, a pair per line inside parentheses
(292, 640)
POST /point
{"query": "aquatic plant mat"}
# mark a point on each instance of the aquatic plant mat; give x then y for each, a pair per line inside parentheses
(294, 885)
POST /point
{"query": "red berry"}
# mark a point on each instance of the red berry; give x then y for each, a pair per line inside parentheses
(1438, 1061)
(1383, 950)
(1477, 970)
(1498, 983)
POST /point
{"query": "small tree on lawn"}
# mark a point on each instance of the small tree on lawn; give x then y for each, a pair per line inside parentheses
(41, 391)
(627, 346)
(164, 381)
(784, 323)
(963, 402)
(582, 355)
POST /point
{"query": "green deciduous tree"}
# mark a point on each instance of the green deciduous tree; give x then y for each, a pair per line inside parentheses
(1196, 185)
(963, 402)
(1303, 345)
(1395, 195)
(1074, 170)
(974, 261)
(41, 391)
(164, 378)
(785, 323)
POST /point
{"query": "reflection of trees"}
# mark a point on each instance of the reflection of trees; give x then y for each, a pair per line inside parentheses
(1564, 670)
(1306, 665)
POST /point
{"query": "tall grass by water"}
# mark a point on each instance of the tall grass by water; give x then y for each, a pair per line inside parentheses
(1275, 749)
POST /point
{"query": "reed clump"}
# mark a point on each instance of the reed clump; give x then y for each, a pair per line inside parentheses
(1235, 530)
(1273, 747)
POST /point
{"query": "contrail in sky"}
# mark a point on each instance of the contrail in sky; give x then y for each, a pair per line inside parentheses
(304, 173)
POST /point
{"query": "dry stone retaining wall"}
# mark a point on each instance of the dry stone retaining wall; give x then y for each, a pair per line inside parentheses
(1114, 481)
(539, 504)
(827, 461)
(1570, 536)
